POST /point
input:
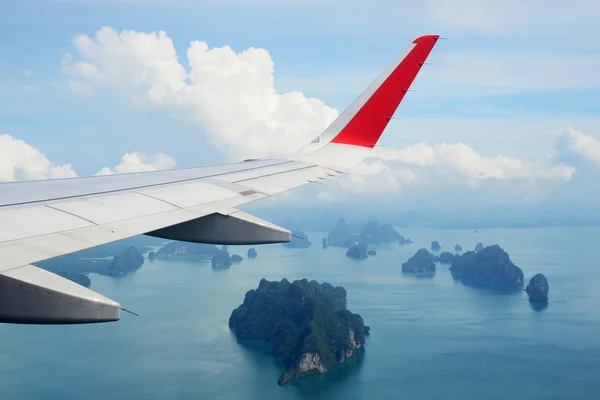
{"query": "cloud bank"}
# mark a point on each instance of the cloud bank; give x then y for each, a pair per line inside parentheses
(230, 95)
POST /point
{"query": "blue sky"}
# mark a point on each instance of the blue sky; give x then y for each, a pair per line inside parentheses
(508, 76)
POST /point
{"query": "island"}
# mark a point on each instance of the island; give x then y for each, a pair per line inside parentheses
(101, 259)
(324, 242)
(308, 324)
(128, 261)
(491, 266)
(358, 251)
(373, 233)
(342, 235)
(221, 260)
(478, 247)
(458, 248)
(408, 241)
(252, 253)
(299, 241)
(236, 258)
(538, 289)
(435, 246)
(371, 253)
(445, 257)
(186, 250)
(151, 256)
(421, 262)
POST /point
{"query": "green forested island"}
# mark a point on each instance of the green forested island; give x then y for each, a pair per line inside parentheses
(308, 324)
(490, 266)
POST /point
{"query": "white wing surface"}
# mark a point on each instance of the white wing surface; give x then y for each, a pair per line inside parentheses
(45, 219)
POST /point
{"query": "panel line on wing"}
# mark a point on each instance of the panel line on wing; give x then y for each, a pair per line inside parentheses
(156, 198)
(70, 213)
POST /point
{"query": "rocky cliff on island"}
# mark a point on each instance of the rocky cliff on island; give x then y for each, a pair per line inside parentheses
(538, 289)
(308, 324)
(490, 266)
(421, 262)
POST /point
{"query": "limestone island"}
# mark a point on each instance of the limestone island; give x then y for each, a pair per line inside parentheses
(358, 251)
(371, 233)
(185, 250)
(478, 247)
(221, 260)
(435, 246)
(128, 261)
(299, 241)
(236, 258)
(490, 266)
(252, 253)
(308, 324)
(538, 289)
(342, 235)
(445, 257)
(421, 262)
(458, 248)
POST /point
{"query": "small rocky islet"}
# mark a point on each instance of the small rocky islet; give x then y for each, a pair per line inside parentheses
(538, 289)
(308, 324)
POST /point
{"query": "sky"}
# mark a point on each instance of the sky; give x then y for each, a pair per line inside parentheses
(507, 112)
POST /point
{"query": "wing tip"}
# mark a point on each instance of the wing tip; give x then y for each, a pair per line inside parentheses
(426, 38)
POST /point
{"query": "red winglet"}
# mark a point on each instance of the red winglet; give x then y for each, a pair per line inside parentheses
(367, 125)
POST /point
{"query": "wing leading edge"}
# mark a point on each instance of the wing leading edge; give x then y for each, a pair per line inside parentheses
(46, 219)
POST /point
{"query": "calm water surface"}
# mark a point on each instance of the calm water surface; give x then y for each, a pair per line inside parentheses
(431, 338)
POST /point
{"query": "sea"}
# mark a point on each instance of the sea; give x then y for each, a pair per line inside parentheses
(431, 337)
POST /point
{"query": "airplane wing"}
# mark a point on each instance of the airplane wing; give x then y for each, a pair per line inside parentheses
(45, 219)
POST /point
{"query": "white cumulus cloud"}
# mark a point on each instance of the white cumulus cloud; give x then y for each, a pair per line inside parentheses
(20, 161)
(139, 162)
(571, 143)
(231, 95)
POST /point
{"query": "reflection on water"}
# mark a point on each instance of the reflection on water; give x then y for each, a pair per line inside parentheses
(419, 275)
(537, 306)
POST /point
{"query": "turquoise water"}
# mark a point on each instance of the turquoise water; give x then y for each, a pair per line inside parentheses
(431, 338)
